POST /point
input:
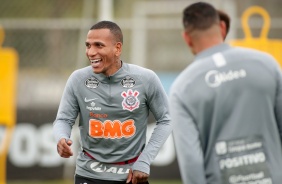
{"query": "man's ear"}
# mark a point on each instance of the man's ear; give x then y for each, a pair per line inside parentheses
(118, 49)
(223, 29)
(187, 38)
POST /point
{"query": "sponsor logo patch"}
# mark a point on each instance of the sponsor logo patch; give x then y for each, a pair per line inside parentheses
(243, 161)
(215, 78)
(221, 148)
(92, 83)
(130, 100)
(92, 106)
(96, 115)
(89, 100)
(101, 168)
(127, 82)
(111, 129)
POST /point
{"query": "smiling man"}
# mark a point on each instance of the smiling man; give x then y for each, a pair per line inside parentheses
(112, 99)
(103, 49)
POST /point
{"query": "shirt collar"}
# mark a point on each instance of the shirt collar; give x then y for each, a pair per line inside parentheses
(116, 77)
(212, 50)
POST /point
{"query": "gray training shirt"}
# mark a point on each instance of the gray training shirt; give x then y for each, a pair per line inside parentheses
(226, 109)
(113, 113)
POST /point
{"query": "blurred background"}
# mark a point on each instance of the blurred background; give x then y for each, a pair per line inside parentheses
(49, 37)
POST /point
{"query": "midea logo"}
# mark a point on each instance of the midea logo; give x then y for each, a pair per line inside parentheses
(215, 78)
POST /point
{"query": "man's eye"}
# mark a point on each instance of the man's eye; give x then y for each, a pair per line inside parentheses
(99, 45)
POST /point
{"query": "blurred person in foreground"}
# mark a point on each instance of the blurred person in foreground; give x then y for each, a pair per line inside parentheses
(226, 108)
(112, 99)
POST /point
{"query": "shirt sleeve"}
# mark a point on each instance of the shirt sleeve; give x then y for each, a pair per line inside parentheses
(67, 112)
(158, 103)
(186, 138)
(278, 101)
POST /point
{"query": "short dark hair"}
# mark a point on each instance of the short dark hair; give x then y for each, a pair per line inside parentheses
(199, 16)
(113, 27)
(225, 18)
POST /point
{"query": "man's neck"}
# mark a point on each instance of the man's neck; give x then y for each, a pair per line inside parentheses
(206, 43)
(206, 39)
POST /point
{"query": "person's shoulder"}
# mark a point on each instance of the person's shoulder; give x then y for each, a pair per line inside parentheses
(253, 52)
(140, 71)
(134, 67)
(256, 55)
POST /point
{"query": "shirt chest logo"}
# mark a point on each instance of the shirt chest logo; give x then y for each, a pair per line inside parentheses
(92, 107)
(130, 101)
(128, 82)
(92, 83)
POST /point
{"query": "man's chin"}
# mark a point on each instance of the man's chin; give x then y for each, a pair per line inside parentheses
(96, 71)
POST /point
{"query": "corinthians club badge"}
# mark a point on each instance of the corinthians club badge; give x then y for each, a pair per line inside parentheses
(130, 100)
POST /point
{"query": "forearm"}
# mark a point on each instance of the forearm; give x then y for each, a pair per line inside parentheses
(189, 155)
(61, 130)
(158, 138)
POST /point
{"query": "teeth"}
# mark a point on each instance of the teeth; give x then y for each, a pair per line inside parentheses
(95, 60)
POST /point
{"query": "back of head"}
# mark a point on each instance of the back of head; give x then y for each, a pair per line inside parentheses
(113, 27)
(199, 16)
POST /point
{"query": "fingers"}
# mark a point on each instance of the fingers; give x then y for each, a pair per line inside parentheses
(139, 177)
(69, 142)
(129, 176)
(64, 149)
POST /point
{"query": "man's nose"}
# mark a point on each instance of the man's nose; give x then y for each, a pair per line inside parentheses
(91, 51)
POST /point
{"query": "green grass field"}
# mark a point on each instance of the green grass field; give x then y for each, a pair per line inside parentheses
(71, 182)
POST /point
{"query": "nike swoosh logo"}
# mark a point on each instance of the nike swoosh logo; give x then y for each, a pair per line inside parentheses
(89, 100)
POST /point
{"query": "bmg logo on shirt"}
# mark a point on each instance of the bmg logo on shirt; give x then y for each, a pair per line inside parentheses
(111, 129)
